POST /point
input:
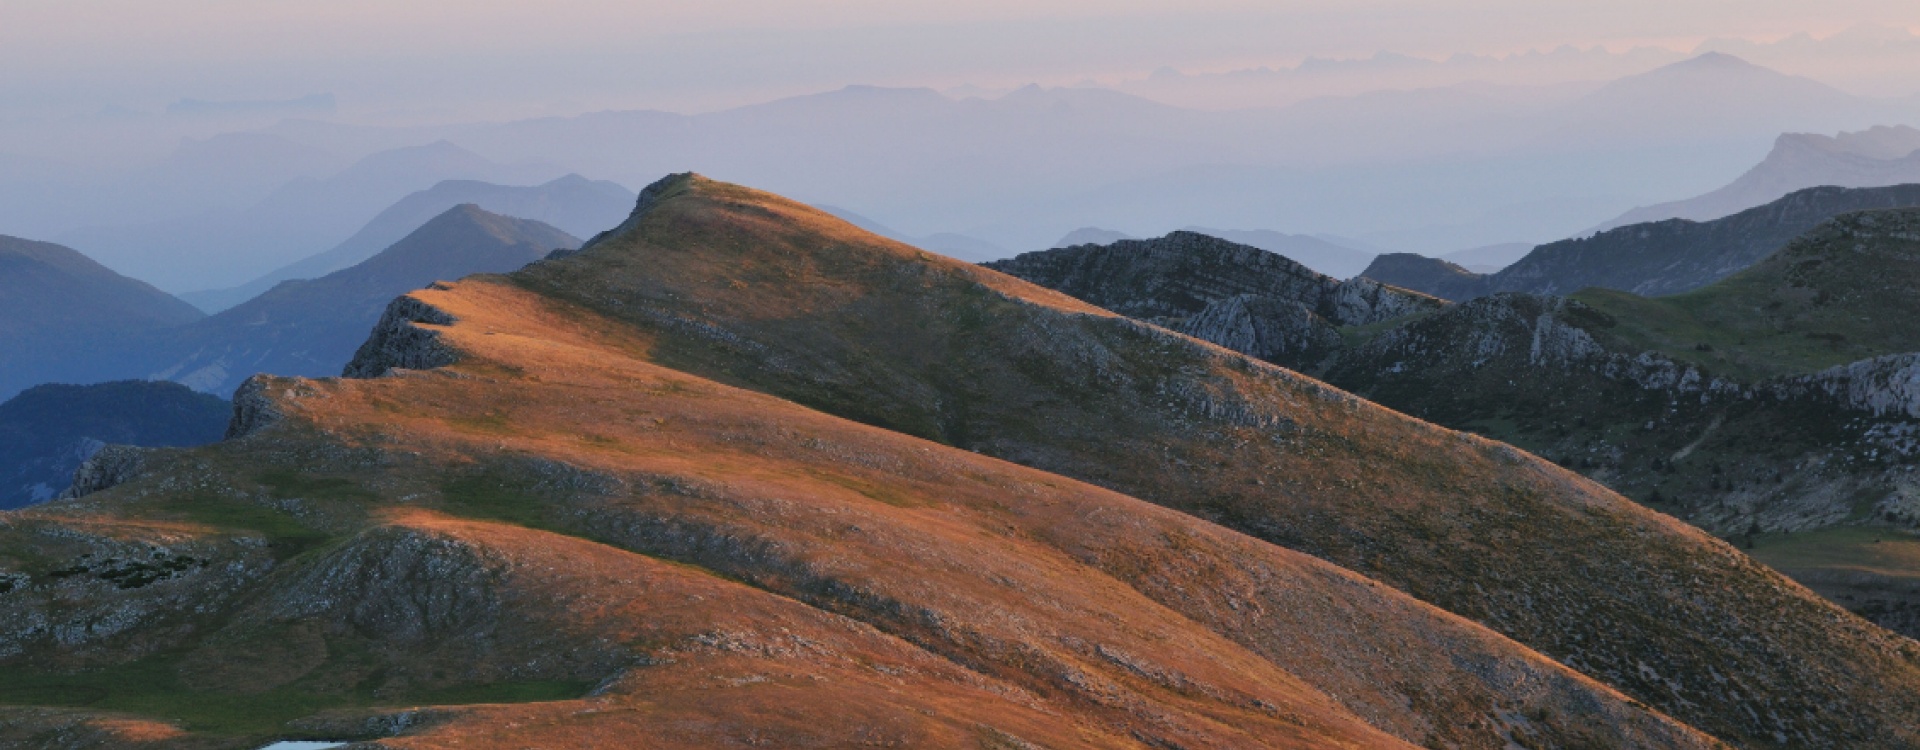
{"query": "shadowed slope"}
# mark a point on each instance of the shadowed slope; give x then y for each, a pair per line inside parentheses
(65, 318)
(883, 333)
(1847, 290)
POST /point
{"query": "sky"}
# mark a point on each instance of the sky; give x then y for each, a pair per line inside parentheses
(443, 60)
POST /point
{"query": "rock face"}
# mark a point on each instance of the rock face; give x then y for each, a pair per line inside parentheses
(1883, 386)
(47, 431)
(1270, 328)
(397, 341)
(312, 328)
(1219, 291)
(1656, 258)
(108, 467)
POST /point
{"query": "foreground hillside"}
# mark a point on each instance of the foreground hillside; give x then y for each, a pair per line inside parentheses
(732, 475)
(883, 334)
(551, 539)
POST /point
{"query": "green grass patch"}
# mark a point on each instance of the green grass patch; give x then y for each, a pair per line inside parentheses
(1884, 551)
(287, 534)
(497, 496)
(153, 688)
(287, 484)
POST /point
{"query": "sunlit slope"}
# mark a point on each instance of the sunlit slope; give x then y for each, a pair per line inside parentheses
(650, 557)
(755, 290)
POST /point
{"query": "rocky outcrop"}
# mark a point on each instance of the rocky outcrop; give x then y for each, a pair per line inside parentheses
(400, 341)
(253, 409)
(1270, 328)
(1238, 296)
(1168, 279)
(109, 467)
(1882, 386)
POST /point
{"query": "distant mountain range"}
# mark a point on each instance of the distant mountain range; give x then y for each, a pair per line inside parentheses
(1875, 157)
(1429, 170)
(47, 431)
(572, 204)
(65, 318)
(1651, 259)
(307, 216)
(312, 327)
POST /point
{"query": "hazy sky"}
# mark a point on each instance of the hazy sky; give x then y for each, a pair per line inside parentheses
(433, 59)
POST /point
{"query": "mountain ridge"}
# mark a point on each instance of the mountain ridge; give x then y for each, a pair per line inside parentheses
(312, 327)
(65, 317)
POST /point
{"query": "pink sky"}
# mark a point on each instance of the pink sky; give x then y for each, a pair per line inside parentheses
(502, 57)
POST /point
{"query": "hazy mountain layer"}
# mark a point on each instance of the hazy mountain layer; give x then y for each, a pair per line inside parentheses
(311, 328)
(1876, 157)
(572, 204)
(65, 318)
(1428, 170)
(226, 247)
(47, 431)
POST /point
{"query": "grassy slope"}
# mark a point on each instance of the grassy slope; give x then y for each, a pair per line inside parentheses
(556, 512)
(1844, 292)
(751, 289)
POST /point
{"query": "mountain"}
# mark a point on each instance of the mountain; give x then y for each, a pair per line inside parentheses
(1338, 261)
(1837, 294)
(1653, 259)
(1436, 276)
(311, 328)
(1269, 305)
(572, 204)
(1422, 169)
(1776, 405)
(65, 318)
(1710, 93)
(868, 330)
(1092, 236)
(1876, 157)
(527, 520)
(1488, 258)
(306, 216)
(47, 431)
